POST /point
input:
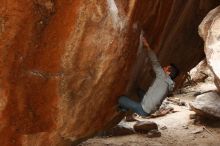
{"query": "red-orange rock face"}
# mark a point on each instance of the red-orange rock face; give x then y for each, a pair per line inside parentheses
(63, 64)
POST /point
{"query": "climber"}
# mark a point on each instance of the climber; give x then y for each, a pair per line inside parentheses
(157, 92)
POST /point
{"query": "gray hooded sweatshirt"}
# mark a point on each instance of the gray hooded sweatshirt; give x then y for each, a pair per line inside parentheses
(160, 87)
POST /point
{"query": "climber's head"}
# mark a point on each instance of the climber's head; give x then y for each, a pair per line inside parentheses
(171, 70)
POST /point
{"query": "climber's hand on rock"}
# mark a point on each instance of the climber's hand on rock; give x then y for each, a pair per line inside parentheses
(146, 45)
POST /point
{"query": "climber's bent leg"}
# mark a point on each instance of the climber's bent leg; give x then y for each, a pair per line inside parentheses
(128, 104)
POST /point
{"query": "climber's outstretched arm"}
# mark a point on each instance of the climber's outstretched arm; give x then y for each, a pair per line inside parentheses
(153, 58)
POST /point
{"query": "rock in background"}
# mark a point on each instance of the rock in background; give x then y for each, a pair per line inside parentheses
(207, 105)
(209, 30)
(201, 73)
(63, 64)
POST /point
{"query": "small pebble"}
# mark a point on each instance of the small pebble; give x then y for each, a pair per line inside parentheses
(153, 133)
(192, 116)
(185, 127)
(163, 128)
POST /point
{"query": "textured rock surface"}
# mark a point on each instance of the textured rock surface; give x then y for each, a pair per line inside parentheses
(209, 30)
(201, 72)
(117, 131)
(145, 126)
(207, 104)
(63, 64)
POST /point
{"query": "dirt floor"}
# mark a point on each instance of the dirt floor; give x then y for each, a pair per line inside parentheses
(181, 130)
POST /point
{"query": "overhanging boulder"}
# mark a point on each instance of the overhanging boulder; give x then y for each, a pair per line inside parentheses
(63, 64)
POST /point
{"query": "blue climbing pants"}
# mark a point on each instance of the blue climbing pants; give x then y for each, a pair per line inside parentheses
(128, 104)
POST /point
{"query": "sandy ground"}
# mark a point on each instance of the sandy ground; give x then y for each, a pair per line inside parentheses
(180, 128)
